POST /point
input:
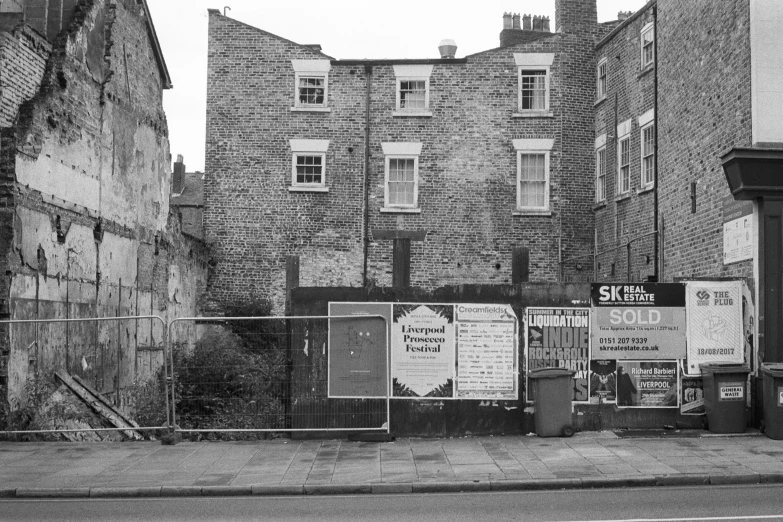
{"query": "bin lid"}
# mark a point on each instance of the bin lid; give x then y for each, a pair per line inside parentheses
(719, 367)
(550, 373)
(772, 369)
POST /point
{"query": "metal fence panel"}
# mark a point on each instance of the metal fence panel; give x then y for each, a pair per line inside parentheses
(102, 355)
(264, 374)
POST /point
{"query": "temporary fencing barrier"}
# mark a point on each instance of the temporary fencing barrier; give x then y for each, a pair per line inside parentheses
(104, 361)
(270, 374)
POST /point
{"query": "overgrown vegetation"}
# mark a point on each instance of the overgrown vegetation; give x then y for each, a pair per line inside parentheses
(43, 408)
(235, 376)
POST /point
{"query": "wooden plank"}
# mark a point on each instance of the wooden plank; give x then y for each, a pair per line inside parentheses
(97, 405)
(105, 402)
(401, 268)
(520, 265)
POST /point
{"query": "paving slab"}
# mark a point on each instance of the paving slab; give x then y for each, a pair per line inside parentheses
(327, 467)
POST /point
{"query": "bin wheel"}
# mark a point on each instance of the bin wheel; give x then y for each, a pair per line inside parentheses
(568, 431)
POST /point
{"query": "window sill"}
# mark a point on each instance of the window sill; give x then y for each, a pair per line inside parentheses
(647, 70)
(400, 210)
(532, 212)
(533, 114)
(600, 205)
(296, 188)
(311, 109)
(644, 190)
(599, 101)
(412, 114)
(622, 197)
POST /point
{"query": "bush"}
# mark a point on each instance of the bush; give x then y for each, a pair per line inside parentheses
(231, 380)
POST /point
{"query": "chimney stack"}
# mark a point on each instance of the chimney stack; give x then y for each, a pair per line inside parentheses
(516, 21)
(545, 21)
(178, 179)
(448, 49)
(624, 15)
(507, 21)
(526, 23)
(538, 23)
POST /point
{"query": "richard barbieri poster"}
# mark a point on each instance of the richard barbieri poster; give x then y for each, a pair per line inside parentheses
(647, 384)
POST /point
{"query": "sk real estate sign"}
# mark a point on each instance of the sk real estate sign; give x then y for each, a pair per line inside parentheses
(638, 321)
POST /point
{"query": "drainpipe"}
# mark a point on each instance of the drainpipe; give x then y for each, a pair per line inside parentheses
(656, 241)
(366, 216)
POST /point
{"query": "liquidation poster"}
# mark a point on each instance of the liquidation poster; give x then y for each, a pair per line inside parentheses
(647, 384)
(560, 337)
(423, 356)
(638, 321)
(358, 350)
(486, 351)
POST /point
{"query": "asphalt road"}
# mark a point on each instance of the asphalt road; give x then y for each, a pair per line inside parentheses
(729, 503)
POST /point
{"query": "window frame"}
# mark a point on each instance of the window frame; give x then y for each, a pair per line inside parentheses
(304, 69)
(545, 70)
(540, 62)
(547, 181)
(648, 29)
(600, 174)
(404, 151)
(623, 140)
(308, 148)
(644, 183)
(601, 80)
(412, 73)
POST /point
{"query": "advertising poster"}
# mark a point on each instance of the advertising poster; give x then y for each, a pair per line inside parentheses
(603, 381)
(486, 351)
(647, 384)
(358, 350)
(715, 330)
(560, 337)
(692, 400)
(422, 355)
(638, 321)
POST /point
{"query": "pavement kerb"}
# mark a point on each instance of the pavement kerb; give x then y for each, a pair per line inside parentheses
(386, 488)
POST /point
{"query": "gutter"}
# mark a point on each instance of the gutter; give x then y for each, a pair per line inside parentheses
(366, 213)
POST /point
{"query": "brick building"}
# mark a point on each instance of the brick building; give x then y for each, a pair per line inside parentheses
(712, 90)
(187, 199)
(459, 162)
(85, 176)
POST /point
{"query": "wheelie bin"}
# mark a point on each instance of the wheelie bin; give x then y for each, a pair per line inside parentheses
(552, 390)
(725, 394)
(773, 400)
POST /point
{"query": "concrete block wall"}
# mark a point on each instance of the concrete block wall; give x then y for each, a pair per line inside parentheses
(630, 93)
(467, 167)
(705, 110)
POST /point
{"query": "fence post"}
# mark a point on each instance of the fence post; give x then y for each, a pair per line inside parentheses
(520, 265)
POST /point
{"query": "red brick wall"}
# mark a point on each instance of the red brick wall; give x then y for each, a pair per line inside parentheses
(23, 55)
(705, 110)
(630, 92)
(467, 167)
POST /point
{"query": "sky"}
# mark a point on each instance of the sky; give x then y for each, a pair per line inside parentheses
(346, 29)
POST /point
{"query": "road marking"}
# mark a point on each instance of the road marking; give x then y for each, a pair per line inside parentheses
(691, 519)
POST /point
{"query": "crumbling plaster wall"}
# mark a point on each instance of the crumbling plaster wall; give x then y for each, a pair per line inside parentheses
(89, 210)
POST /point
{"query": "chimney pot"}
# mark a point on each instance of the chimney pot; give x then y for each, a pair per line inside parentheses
(507, 21)
(624, 15)
(546, 25)
(538, 23)
(180, 159)
(516, 21)
(447, 48)
(526, 23)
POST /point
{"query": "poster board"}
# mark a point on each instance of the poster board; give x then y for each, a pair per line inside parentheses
(435, 351)
(603, 381)
(358, 350)
(647, 384)
(738, 234)
(641, 321)
(715, 328)
(560, 338)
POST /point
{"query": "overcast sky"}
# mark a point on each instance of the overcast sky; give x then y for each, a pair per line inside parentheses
(345, 29)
